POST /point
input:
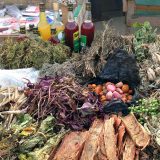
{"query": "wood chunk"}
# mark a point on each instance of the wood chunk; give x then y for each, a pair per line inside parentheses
(72, 146)
(129, 150)
(136, 131)
(91, 146)
(110, 139)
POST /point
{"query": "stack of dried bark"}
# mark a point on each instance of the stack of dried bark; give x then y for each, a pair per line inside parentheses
(114, 138)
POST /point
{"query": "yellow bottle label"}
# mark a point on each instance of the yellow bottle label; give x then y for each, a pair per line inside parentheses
(76, 36)
(76, 41)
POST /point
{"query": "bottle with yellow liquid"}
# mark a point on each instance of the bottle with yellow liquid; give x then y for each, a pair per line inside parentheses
(43, 26)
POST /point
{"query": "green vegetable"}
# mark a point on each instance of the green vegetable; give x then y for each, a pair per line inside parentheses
(143, 35)
(146, 108)
(23, 121)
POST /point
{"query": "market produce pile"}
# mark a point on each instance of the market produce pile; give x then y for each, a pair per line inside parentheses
(78, 101)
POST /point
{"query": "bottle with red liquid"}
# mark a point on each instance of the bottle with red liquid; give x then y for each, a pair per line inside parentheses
(87, 28)
(72, 31)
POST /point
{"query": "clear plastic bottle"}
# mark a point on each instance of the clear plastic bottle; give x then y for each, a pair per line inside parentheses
(57, 23)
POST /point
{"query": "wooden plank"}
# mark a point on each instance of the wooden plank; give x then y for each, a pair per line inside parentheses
(131, 18)
(147, 8)
(148, 2)
(147, 13)
(125, 5)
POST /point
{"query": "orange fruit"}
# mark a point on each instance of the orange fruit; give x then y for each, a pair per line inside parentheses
(103, 98)
(125, 88)
(98, 89)
(124, 99)
(129, 97)
(93, 85)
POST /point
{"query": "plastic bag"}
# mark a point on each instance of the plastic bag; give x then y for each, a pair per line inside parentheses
(121, 66)
(2, 12)
(13, 11)
(18, 77)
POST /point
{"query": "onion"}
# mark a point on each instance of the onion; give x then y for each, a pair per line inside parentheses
(119, 84)
(119, 90)
(111, 88)
(117, 95)
(109, 95)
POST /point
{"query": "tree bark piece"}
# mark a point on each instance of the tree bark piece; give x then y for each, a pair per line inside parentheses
(110, 139)
(91, 146)
(101, 150)
(72, 146)
(136, 131)
(129, 150)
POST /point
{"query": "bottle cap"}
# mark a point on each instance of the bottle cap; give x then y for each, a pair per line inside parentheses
(23, 29)
(42, 7)
(35, 30)
(55, 6)
(70, 7)
(53, 30)
(31, 26)
(88, 6)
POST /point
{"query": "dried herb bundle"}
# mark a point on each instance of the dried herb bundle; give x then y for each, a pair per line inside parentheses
(31, 53)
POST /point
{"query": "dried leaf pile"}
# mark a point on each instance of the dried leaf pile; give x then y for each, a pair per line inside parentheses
(114, 138)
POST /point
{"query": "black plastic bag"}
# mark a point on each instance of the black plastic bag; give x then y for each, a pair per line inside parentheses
(121, 66)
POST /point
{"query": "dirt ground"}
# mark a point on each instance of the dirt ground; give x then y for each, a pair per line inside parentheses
(119, 24)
